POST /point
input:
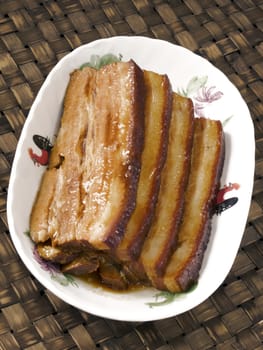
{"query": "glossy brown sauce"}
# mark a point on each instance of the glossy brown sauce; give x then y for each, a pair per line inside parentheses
(95, 281)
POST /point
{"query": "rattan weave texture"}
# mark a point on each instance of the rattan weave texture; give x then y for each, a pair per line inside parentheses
(34, 36)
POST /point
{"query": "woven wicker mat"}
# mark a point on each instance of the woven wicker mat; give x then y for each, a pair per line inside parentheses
(34, 36)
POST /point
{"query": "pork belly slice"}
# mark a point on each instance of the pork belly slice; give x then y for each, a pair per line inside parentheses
(158, 108)
(40, 211)
(67, 155)
(112, 162)
(95, 199)
(206, 166)
(56, 203)
(163, 233)
(74, 121)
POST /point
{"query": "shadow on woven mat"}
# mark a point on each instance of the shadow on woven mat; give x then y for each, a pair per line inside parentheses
(34, 36)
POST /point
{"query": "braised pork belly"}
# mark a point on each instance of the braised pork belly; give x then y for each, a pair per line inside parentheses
(162, 236)
(206, 165)
(158, 107)
(128, 193)
(100, 143)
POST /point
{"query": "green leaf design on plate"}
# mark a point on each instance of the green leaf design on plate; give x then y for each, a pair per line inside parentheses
(27, 233)
(227, 120)
(168, 297)
(193, 85)
(97, 61)
(64, 279)
(70, 279)
(182, 92)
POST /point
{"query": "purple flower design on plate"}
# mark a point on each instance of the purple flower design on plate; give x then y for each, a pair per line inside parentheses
(45, 265)
(199, 109)
(201, 94)
(54, 271)
(208, 95)
(205, 95)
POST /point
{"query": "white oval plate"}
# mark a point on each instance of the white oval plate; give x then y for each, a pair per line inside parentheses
(214, 97)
